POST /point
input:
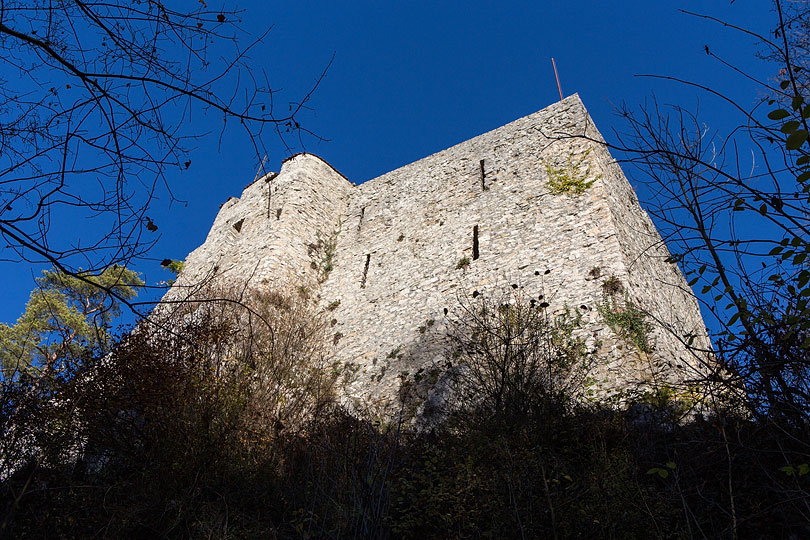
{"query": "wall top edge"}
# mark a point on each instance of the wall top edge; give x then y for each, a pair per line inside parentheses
(287, 161)
(570, 101)
(286, 164)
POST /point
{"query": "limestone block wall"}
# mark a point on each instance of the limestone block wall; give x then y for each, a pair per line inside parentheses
(416, 243)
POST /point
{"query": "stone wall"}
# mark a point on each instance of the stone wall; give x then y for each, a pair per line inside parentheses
(263, 236)
(405, 257)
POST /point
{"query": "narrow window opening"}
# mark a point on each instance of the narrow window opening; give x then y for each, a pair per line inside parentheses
(238, 225)
(362, 214)
(475, 242)
(278, 214)
(483, 183)
(365, 271)
(268, 181)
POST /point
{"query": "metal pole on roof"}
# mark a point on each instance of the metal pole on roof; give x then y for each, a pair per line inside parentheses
(554, 64)
(261, 168)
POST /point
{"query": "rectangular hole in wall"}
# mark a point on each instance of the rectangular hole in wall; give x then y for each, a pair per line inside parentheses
(238, 225)
(365, 271)
(483, 183)
(268, 180)
(475, 242)
(362, 214)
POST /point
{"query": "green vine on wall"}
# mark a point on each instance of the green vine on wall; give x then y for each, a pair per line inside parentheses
(322, 252)
(627, 321)
(572, 178)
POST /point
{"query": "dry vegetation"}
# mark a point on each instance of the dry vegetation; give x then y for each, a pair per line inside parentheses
(229, 428)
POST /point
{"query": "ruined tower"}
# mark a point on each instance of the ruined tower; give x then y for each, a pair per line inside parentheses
(538, 204)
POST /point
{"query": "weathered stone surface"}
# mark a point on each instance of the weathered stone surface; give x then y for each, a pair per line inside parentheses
(402, 236)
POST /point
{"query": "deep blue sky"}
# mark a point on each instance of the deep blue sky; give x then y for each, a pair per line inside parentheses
(410, 79)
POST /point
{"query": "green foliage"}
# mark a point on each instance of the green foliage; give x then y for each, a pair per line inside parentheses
(65, 315)
(663, 472)
(322, 252)
(627, 321)
(174, 266)
(799, 470)
(463, 263)
(674, 402)
(572, 178)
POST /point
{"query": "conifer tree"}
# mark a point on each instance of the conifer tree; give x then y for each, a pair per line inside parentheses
(65, 315)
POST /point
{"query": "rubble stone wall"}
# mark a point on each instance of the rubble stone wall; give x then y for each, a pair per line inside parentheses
(415, 244)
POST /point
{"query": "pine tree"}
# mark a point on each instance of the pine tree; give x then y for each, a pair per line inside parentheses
(65, 316)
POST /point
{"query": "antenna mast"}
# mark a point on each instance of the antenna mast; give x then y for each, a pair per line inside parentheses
(554, 64)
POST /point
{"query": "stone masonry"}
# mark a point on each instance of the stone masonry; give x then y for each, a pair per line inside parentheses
(476, 217)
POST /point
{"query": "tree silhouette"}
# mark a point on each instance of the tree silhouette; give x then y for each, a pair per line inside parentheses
(736, 213)
(95, 97)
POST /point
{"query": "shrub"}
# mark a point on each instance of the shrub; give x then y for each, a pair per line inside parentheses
(515, 357)
(571, 178)
(209, 392)
(627, 321)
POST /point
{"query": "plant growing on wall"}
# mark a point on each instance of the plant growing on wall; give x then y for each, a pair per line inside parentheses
(627, 321)
(322, 252)
(571, 178)
(612, 286)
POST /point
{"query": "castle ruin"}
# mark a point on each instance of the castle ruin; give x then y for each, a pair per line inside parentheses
(538, 204)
